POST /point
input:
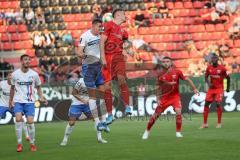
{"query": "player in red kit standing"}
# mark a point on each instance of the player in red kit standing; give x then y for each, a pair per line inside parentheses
(168, 95)
(217, 73)
(111, 47)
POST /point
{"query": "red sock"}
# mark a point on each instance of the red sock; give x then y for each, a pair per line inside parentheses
(125, 94)
(178, 123)
(108, 100)
(219, 113)
(151, 123)
(205, 114)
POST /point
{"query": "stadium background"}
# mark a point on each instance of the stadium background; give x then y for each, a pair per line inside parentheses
(186, 34)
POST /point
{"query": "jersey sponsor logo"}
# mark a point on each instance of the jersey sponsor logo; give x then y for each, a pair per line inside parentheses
(110, 46)
(94, 42)
(218, 71)
(25, 83)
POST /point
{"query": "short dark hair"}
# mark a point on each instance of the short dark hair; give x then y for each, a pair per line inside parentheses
(24, 55)
(166, 57)
(97, 20)
(115, 11)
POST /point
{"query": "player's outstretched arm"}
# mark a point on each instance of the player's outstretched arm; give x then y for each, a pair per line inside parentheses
(41, 97)
(80, 52)
(103, 39)
(76, 94)
(11, 103)
(228, 83)
(192, 85)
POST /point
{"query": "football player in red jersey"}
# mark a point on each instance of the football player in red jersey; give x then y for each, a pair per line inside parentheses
(113, 60)
(217, 73)
(168, 95)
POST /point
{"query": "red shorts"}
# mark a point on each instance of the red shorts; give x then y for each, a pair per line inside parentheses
(214, 94)
(115, 66)
(166, 102)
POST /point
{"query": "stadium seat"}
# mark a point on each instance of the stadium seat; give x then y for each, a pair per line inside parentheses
(178, 21)
(12, 28)
(178, 5)
(53, 3)
(14, 4)
(210, 27)
(58, 19)
(56, 10)
(85, 9)
(196, 28)
(172, 29)
(179, 55)
(72, 2)
(22, 28)
(183, 29)
(237, 43)
(5, 37)
(24, 36)
(3, 29)
(180, 63)
(52, 26)
(7, 46)
(62, 26)
(24, 4)
(235, 52)
(17, 46)
(4, 5)
(33, 62)
(39, 52)
(142, 6)
(15, 37)
(188, 5)
(44, 3)
(83, 2)
(66, 10)
(63, 2)
(102, 2)
(170, 5)
(177, 37)
(198, 4)
(42, 26)
(219, 27)
(30, 52)
(166, 37)
(50, 52)
(27, 44)
(187, 37)
(49, 19)
(34, 3)
(76, 9)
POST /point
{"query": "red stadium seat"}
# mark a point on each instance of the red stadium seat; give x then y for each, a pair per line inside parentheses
(17, 46)
(235, 52)
(187, 37)
(5, 37)
(7, 46)
(5, 5)
(196, 28)
(167, 38)
(183, 29)
(3, 29)
(15, 4)
(210, 27)
(22, 28)
(180, 55)
(178, 21)
(12, 28)
(24, 36)
(69, 18)
(27, 44)
(198, 4)
(184, 13)
(72, 26)
(180, 63)
(30, 52)
(33, 62)
(170, 5)
(15, 37)
(178, 5)
(219, 27)
(188, 5)
(173, 29)
(237, 43)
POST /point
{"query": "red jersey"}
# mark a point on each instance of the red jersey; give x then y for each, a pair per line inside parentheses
(115, 37)
(217, 75)
(173, 75)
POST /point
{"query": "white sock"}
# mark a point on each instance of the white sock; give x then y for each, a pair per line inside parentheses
(19, 128)
(68, 131)
(25, 129)
(99, 135)
(31, 131)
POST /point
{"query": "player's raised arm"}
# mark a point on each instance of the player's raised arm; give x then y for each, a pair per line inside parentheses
(103, 39)
(190, 82)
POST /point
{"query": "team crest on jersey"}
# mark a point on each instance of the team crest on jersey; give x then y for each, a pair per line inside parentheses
(174, 76)
(218, 71)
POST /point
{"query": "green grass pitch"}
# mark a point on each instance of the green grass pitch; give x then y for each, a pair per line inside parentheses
(125, 141)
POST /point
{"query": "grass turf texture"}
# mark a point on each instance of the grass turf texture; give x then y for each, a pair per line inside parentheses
(125, 141)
